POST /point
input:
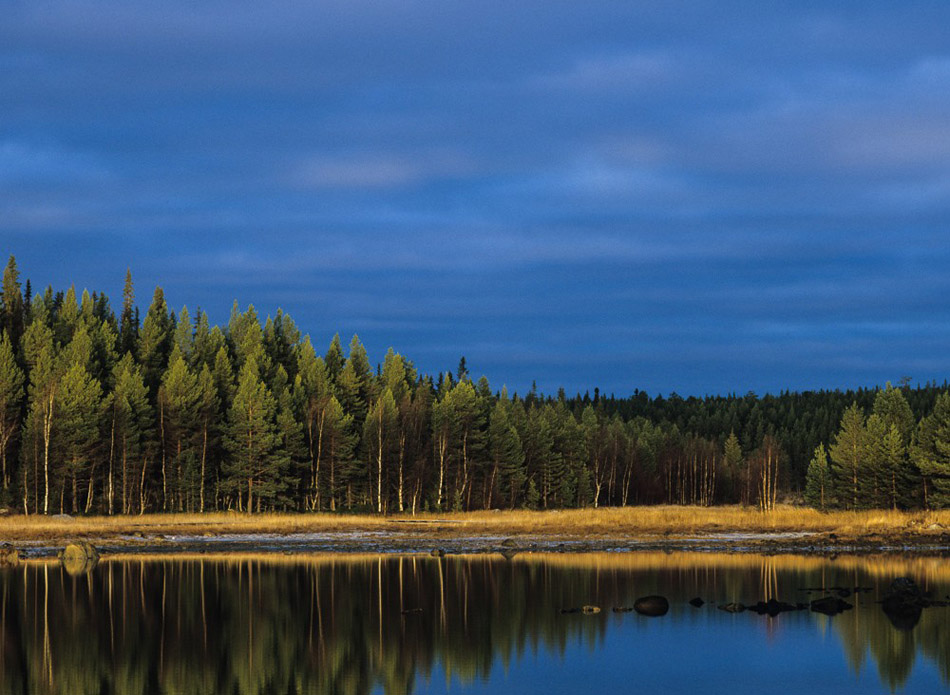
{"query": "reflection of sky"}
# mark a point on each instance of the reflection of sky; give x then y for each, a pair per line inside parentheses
(700, 197)
(714, 653)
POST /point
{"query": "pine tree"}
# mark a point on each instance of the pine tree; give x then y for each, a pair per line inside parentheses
(254, 464)
(41, 354)
(208, 411)
(338, 443)
(12, 311)
(931, 453)
(11, 395)
(178, 400)
(817, 482)
(77, 433)
(380, 441)
(334, 359)
(130, 420)
(847, 456)
(733, 465)
(155, 342)
(128, 324)
(506, 453)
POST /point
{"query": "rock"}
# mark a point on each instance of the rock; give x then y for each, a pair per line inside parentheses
(652, 606)
(438, 552)
(732, 607)
(79, 558)
(590, 610)
(9, 556)
(903, 603)
(772, 607)
(62, 517)
(696, 602)
(508, 554)
(509, 543)
(830, 605)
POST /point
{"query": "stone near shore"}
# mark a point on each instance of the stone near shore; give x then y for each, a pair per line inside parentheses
(652, 606)
(732, 607)
(79, 558)
(9, 556)
(830, 605)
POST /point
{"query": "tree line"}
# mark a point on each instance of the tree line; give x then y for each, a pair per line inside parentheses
(113, 413)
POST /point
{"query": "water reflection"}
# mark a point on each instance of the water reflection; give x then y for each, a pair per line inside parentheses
(360, 624)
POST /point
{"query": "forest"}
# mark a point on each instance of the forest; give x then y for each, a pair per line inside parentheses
(115, 413)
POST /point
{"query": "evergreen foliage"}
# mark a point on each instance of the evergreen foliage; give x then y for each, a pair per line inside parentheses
(99, 414)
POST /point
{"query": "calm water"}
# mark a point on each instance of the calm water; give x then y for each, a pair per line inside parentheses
(477, 624)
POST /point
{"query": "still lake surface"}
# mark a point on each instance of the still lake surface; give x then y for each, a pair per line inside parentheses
(466, 624)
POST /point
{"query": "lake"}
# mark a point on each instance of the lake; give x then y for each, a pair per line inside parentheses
(353, 623)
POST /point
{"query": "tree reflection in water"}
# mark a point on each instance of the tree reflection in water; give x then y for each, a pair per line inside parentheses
(360, 623)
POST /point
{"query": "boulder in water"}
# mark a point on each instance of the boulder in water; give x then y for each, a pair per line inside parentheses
(652, 606)
(732, 607)
(903, 603)
(696, 602)
(79, 558)
(830, 605)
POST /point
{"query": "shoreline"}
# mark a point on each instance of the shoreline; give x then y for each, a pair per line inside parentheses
(788, 530)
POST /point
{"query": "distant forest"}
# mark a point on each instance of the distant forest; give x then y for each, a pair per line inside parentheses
(106, 413)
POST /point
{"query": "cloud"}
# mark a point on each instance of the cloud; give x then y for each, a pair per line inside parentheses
(370, 171)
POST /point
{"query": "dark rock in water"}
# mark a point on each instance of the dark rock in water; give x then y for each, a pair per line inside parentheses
(79, 558)
(772, 607)
(509, 543)
(652, 606)
(9, 556)
(696, 602)
(508, 554)
(438, 552)
(590, 610)
(623, 609)
(732, 607)
(830, 605)
(903, 603)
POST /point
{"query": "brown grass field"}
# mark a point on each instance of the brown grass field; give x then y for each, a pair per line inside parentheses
(626, 523)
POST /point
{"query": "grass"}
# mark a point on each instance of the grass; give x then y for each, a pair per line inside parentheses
(609, 523)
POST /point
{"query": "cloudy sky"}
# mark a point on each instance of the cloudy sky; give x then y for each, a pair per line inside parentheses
(700, 197)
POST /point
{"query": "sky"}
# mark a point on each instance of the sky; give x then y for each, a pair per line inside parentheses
(692, 197)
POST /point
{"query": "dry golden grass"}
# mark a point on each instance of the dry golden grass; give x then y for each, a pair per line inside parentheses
(609, 523)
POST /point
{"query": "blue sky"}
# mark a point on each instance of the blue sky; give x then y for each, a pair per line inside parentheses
(700, 197)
